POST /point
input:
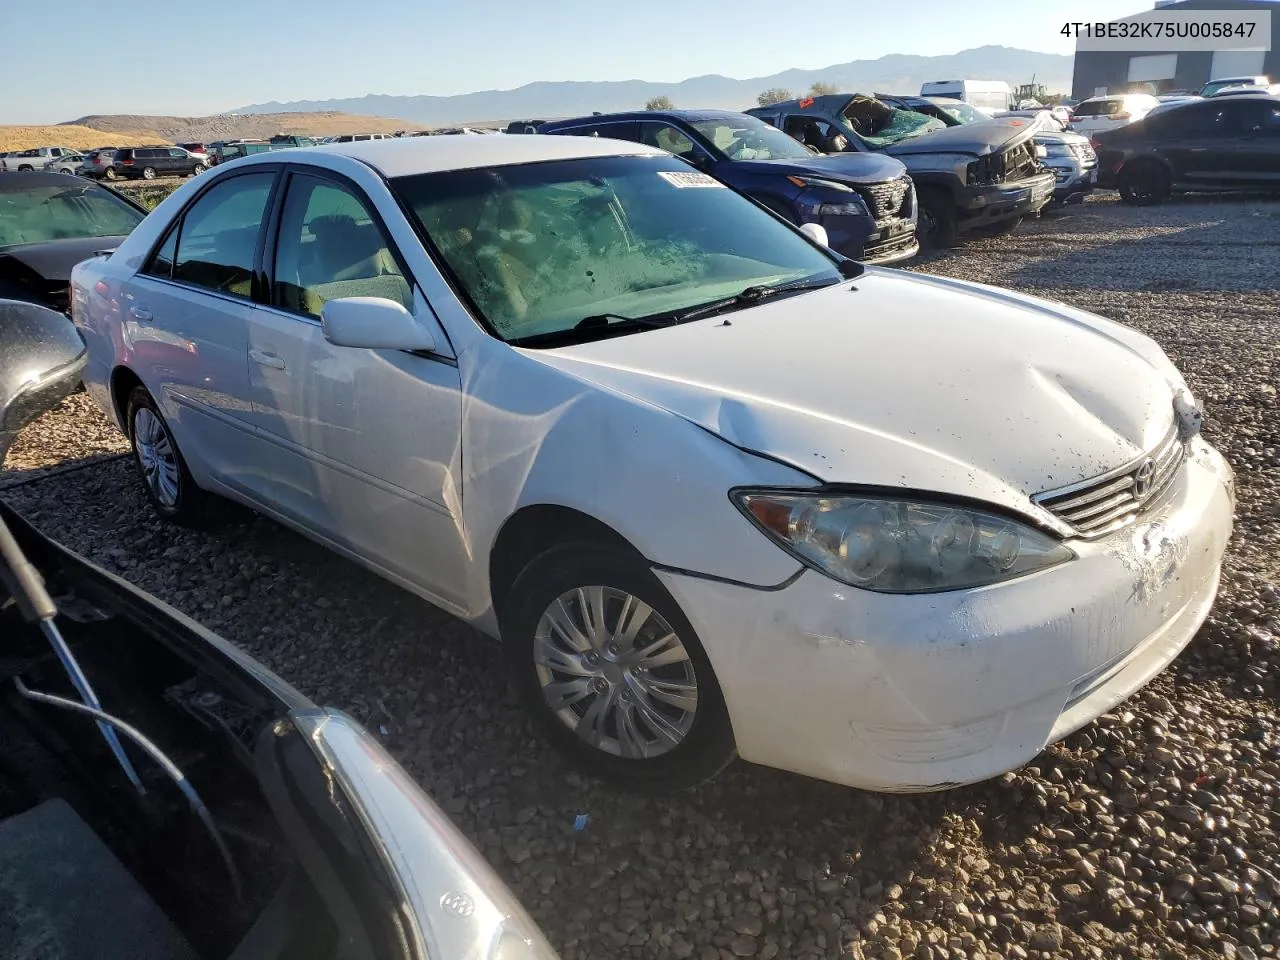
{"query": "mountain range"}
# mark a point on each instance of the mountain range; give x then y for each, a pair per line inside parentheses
(894, 73)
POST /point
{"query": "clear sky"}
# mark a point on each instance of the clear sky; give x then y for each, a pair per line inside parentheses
(60, 59)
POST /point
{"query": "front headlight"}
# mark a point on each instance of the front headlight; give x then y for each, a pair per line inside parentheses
(821, 184)
(899, 545)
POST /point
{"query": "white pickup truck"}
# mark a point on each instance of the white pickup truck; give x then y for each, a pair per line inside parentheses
(36, 158)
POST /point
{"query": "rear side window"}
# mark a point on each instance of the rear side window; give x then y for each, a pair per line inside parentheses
(219, 235)
(1099, 108)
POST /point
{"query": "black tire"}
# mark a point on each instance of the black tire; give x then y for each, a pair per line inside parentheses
(191, 506)
(26, 168)
(148, 173)
(706, 747)
(110, 174)
(198, 169)
(1143, 183)
(937, 226)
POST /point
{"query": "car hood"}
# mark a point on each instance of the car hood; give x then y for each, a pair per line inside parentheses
(862, 168)
(906, 381)
(53, 259)
(978, 139)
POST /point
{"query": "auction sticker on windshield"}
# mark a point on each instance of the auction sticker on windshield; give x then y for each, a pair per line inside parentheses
(691, 179)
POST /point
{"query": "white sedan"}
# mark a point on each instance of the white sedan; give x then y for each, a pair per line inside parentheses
(718, 490)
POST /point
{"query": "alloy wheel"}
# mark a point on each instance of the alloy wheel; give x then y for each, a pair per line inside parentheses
(614, 671)
(157, 457)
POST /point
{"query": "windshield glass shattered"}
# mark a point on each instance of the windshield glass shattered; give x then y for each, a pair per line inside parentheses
(538, 248)
(959, 110)
(34, 214)
(881, 125)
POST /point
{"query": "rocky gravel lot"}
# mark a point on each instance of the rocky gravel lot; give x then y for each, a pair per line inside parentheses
(1151, 833)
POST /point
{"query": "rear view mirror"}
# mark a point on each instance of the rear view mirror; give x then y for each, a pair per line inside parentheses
(816, 232)
(374, 323)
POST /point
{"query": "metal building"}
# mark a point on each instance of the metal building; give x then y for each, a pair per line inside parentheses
(1098, 73)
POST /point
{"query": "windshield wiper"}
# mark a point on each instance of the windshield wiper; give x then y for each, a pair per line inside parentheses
(753, 295)
(605, 319)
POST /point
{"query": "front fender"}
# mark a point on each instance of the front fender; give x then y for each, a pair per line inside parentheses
(535, 434)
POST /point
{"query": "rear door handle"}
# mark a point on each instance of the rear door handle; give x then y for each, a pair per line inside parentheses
(140, 313)
(265, 359)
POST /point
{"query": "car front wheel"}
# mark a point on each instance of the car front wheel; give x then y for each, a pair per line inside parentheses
(148, 173)
(613, 671)
(165, 476)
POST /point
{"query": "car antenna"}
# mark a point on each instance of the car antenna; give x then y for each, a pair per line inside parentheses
(35, 605)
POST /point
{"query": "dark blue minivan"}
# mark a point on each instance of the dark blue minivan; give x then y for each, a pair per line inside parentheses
(865, 202)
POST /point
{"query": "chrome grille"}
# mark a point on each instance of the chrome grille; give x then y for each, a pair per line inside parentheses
(1096, 507)
(885, 200)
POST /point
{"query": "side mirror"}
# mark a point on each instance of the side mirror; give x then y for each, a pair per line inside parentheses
(700, 160)
(374, 323)
(816, 232)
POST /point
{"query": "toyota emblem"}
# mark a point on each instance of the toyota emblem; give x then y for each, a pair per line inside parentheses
(1142, 478)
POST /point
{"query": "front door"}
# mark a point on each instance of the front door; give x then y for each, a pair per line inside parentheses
(1198, 141)
(366, 443)
(186, 322)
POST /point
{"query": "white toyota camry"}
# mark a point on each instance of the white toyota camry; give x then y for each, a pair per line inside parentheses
(718, 490)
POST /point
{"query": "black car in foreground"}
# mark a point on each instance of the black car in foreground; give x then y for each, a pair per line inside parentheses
(866, 205)
(48, 224)
(1216, 144)
(163, 796)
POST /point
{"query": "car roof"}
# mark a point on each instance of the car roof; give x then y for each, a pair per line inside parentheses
(403, 156)
(38, 178)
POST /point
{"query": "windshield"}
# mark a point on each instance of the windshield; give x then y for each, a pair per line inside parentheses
(539, 247)
(881, 125)
(749, 138)
(1213, 86)
(33, 214)
(958, 110)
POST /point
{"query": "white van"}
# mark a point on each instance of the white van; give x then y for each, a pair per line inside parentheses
(983, 94)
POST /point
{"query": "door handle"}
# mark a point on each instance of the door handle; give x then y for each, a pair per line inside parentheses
(265, 359)
(140, 313)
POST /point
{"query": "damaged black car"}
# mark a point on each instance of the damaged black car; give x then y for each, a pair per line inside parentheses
(50, 222)
(976, 176)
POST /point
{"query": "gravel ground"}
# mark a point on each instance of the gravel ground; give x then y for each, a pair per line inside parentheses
(1150, 833)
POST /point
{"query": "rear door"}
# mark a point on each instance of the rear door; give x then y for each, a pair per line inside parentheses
(365, 444)
(186, 326)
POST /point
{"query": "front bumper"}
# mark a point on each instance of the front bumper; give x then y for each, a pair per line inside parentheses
(1074, 179)
(984, 205)
(916, 693)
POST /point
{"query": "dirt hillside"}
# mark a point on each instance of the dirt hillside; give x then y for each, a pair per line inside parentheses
(74, 136)
(232, 126)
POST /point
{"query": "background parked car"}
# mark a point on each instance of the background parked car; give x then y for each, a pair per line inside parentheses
(1219, 83)
(27, 161)
(48, 224)
(99, 163)
(977, 175)
(147, 163)
(69, 163)
(357, 137)
(1107, 113)
(1169, 103)
(1236, 90)
(196, 150)
(866, 204)
(1219, 143)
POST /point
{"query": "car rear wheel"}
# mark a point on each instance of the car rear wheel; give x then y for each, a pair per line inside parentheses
(165, 476)
(613, 671)
(198, 169)
(148, 173)
(1143, 184)
(110, 173)
(937, 224)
